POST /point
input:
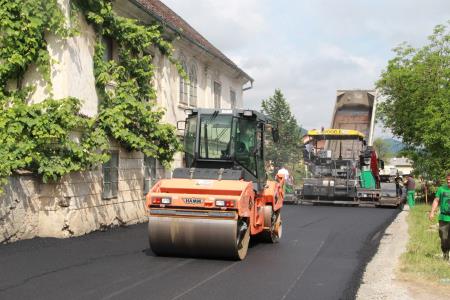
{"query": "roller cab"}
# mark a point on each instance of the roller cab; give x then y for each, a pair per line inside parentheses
(213, 206)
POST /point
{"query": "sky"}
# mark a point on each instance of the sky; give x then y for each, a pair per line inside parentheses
(311, 48)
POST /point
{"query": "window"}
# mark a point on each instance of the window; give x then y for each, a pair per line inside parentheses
(215, 136)
(149, 173)
(183, 84)
(108, 44)
(232, 99)
(260, 167)
(189, 140)
(110, 171)
(193, 86)
(246, 144)
(217, 92)
(188, 87)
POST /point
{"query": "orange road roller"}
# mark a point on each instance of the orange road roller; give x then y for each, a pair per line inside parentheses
(212, 207)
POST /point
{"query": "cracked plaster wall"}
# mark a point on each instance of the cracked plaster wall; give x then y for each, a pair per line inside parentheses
(19, 206)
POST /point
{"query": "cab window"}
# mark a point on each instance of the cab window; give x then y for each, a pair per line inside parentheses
(215, 136)
(245, 146)
(189, 139)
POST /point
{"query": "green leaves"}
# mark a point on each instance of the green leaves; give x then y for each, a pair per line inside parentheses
(383, 149)
(22, 40)
(51, 138)
(128, 112)
(416, 84)
(39, 137)
(286, 151)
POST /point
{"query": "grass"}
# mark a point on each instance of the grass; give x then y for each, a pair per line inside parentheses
(423, 258)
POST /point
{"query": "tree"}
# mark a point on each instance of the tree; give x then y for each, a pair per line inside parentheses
(383, 149)
(287, 150)
(416, 87)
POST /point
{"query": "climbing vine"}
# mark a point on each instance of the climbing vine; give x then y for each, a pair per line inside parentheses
(52, 138)
(128, 112)
(48, 138)
(23, 25)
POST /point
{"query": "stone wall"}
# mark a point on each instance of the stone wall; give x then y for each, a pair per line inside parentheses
(19, 209)
(74, 205)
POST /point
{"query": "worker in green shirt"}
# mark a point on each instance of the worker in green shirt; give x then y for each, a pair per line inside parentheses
(442, 200)
(410, 185)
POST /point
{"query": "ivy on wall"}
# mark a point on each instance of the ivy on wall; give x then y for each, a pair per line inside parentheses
(52, 138)
(23, 25)
(129, 112)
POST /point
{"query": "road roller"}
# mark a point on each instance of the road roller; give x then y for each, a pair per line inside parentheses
(222, 198)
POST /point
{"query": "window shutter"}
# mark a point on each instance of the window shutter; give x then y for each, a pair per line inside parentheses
(110, 172)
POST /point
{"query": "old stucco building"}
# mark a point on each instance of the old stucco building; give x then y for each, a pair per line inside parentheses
(113, 194)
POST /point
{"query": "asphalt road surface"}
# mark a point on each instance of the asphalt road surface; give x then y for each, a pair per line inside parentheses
(322, 255)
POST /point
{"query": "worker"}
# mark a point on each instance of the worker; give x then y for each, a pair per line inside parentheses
(284, 173)
(410, 191)
(398, 185)
(245, 146)
(308, 152)
(443, 200)
(247, 137)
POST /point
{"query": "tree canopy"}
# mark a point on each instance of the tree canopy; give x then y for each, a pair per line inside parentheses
(383, 149)
(287, 150)
(416, 87)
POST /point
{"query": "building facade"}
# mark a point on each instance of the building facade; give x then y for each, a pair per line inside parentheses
(113, 194)
(402, 165)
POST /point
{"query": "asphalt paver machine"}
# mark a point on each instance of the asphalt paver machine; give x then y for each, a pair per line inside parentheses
(222, 197)
(341, 168)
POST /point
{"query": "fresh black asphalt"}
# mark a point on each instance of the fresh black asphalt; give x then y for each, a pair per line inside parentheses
(322, 254)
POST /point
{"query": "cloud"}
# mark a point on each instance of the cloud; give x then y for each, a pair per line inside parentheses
(390, 21)
(309, 81)
(311, 48)
(337, 54)
(229, 25)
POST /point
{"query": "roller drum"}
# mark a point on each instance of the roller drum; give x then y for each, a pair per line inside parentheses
(198, 237)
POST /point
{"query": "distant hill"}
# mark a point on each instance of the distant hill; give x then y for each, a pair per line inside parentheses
(395, 146)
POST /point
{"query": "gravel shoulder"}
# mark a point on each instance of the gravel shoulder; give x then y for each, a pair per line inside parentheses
(382, 278)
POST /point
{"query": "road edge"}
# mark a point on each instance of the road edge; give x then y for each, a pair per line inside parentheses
(380, 280)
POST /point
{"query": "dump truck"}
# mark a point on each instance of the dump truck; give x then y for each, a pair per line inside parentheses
(353, 110)
(344, 167)
(212, 207)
